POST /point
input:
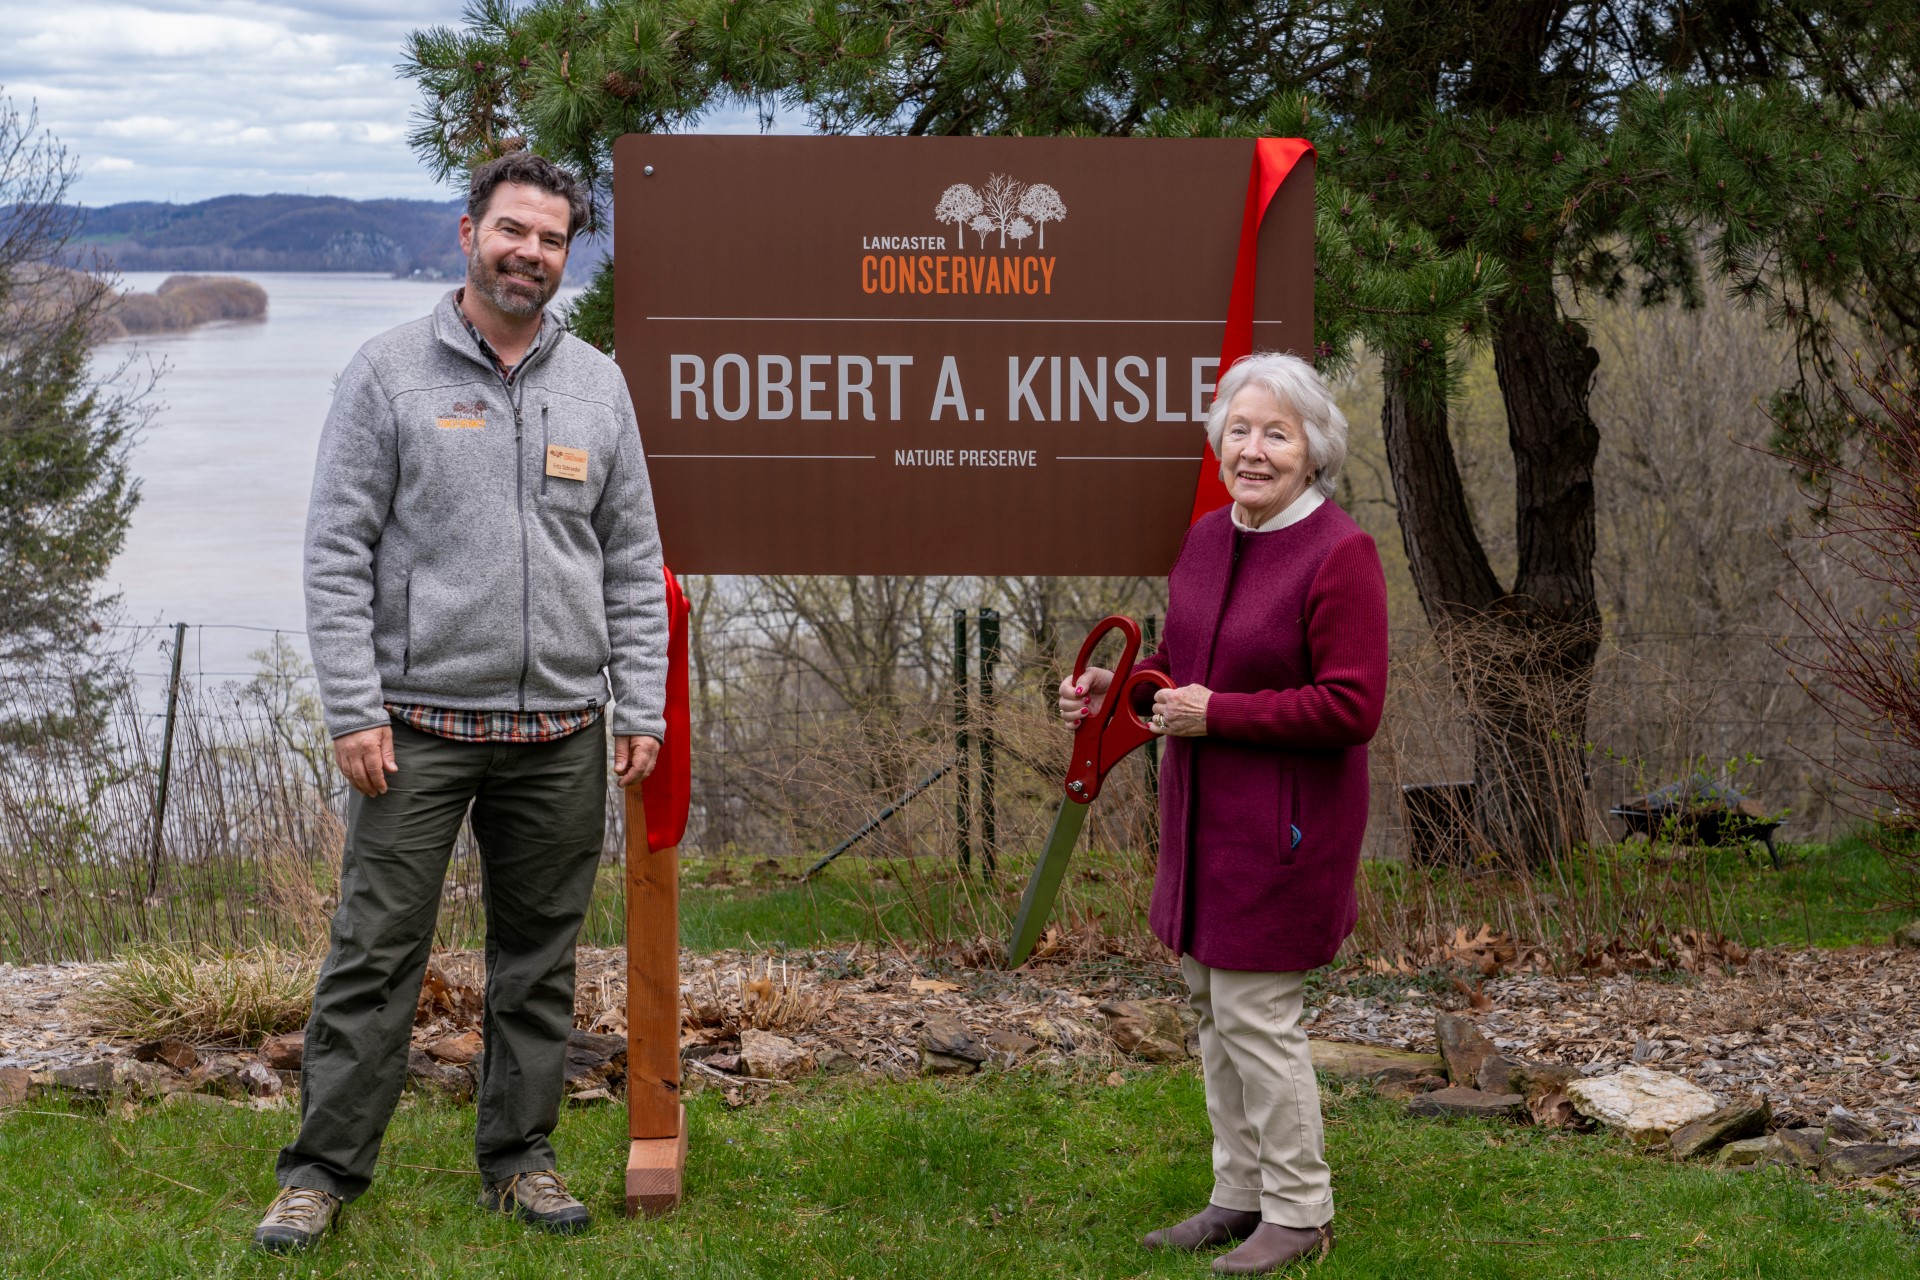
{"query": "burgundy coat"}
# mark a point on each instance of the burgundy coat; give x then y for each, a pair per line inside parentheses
(1288, 629)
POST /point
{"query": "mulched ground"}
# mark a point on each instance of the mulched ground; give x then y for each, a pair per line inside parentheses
(1809, 1029)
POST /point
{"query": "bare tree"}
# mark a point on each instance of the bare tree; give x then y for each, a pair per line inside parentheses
(1042, 204)
(1002, 199)
(959, 204)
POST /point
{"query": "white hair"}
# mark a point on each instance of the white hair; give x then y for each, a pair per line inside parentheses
(1299, 390)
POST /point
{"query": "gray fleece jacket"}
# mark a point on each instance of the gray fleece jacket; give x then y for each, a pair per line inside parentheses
(452, 557)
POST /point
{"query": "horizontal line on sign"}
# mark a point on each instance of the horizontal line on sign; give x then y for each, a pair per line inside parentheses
(868, 457)
(1128, 457)
(932, 320)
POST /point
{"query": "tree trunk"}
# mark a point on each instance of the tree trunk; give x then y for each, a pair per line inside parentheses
(1521, 659)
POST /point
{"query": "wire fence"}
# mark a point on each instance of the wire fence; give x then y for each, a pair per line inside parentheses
(801, 736)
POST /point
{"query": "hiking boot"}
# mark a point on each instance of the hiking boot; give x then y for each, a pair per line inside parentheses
(1205, 1229)
(1273, 1248)
(539, 1198)
(298, 1217)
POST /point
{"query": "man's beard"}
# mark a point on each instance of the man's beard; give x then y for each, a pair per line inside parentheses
(515, 302)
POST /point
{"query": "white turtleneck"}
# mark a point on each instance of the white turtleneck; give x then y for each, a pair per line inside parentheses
(1296, 511)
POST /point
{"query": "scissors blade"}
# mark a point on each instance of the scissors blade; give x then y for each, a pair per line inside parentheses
(1037, 903)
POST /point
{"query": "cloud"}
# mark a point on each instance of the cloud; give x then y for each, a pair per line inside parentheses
(187, 99)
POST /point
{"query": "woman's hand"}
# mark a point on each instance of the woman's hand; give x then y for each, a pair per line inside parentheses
(1182, 712)
(1080, 700)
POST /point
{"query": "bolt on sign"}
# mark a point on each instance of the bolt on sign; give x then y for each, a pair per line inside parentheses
(937, 355)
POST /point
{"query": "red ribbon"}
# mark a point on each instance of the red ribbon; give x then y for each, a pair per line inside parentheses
(1273, 160)
(668, 790)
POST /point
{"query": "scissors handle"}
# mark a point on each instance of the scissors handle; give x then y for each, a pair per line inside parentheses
(1113, 622)
(1102, 740)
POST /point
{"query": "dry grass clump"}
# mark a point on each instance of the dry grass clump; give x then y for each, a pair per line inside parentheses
(767, 996)
(206, 998)
(181, 302)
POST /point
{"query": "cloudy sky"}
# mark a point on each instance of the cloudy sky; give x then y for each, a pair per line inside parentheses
(186, 99)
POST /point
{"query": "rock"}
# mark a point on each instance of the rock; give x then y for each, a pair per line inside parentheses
(835, 1061)
(1462, 1045)
(1644, 1104)
(1844, 1126)
(218, 1080)
(1455, 1101)
(1907, 935)
(1406, 1082)
(1537, 1079)
(1800, 1148)
(16, 1086)
(1063, 1033)
(772, 1057)
(1496, 1074)
(89, 1079)
(948, 1048)
(589, 1098)
(428, 1076)
(723, 1061)
(285, 1053)
(1744, 1154)
(170, 1051)
(259, 1079)
(1730, 1123)
(612, 1048)
(1868, 1160)
(1147, 1029)
(457, 1050)
(1012, 1042)
(593, 1061)
(1366, 1061)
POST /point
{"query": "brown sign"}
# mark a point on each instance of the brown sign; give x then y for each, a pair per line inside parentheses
(936, 355)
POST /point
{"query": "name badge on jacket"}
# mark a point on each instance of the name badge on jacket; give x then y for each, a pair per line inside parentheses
(566, 464)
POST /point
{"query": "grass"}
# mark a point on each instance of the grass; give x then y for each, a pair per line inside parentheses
(1015, 1175)
(1825, 895)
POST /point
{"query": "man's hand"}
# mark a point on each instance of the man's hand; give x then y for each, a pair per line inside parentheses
(1182, 712)
(366, 758)
(634, 757)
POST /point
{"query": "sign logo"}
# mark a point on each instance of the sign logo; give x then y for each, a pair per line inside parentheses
(1002, 215)
(1005, 206)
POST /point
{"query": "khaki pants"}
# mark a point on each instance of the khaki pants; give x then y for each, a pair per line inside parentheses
(1269, 1153)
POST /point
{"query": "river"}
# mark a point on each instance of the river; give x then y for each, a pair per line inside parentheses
(226, 465)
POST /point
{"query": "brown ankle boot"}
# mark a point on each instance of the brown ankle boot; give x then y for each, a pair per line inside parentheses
(1205, 1229)
(1273, 1247)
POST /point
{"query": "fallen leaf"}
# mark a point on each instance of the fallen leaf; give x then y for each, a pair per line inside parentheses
(933, 985)
(1116, 1079)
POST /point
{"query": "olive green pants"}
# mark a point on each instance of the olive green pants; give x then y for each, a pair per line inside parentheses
(538, 813)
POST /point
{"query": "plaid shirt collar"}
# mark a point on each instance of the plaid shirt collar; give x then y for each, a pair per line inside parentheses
(507, 372)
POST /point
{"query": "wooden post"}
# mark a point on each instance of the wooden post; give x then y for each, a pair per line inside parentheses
(656, 1121)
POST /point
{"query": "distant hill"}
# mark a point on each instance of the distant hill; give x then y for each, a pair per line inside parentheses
(290, 233)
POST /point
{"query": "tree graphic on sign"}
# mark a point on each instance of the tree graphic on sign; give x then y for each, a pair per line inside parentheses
(1002, 198)
(1005, 205)
(959, 204)
(1042, 204)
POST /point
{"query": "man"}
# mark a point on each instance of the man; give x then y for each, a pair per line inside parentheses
(482, 570)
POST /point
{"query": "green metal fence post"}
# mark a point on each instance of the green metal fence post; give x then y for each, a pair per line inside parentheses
(989, 657)
(963, 766)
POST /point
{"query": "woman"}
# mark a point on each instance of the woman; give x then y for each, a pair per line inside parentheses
(1276, 637)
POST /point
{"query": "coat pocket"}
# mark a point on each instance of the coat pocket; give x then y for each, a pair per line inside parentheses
(406, 622)
(1290, 835)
